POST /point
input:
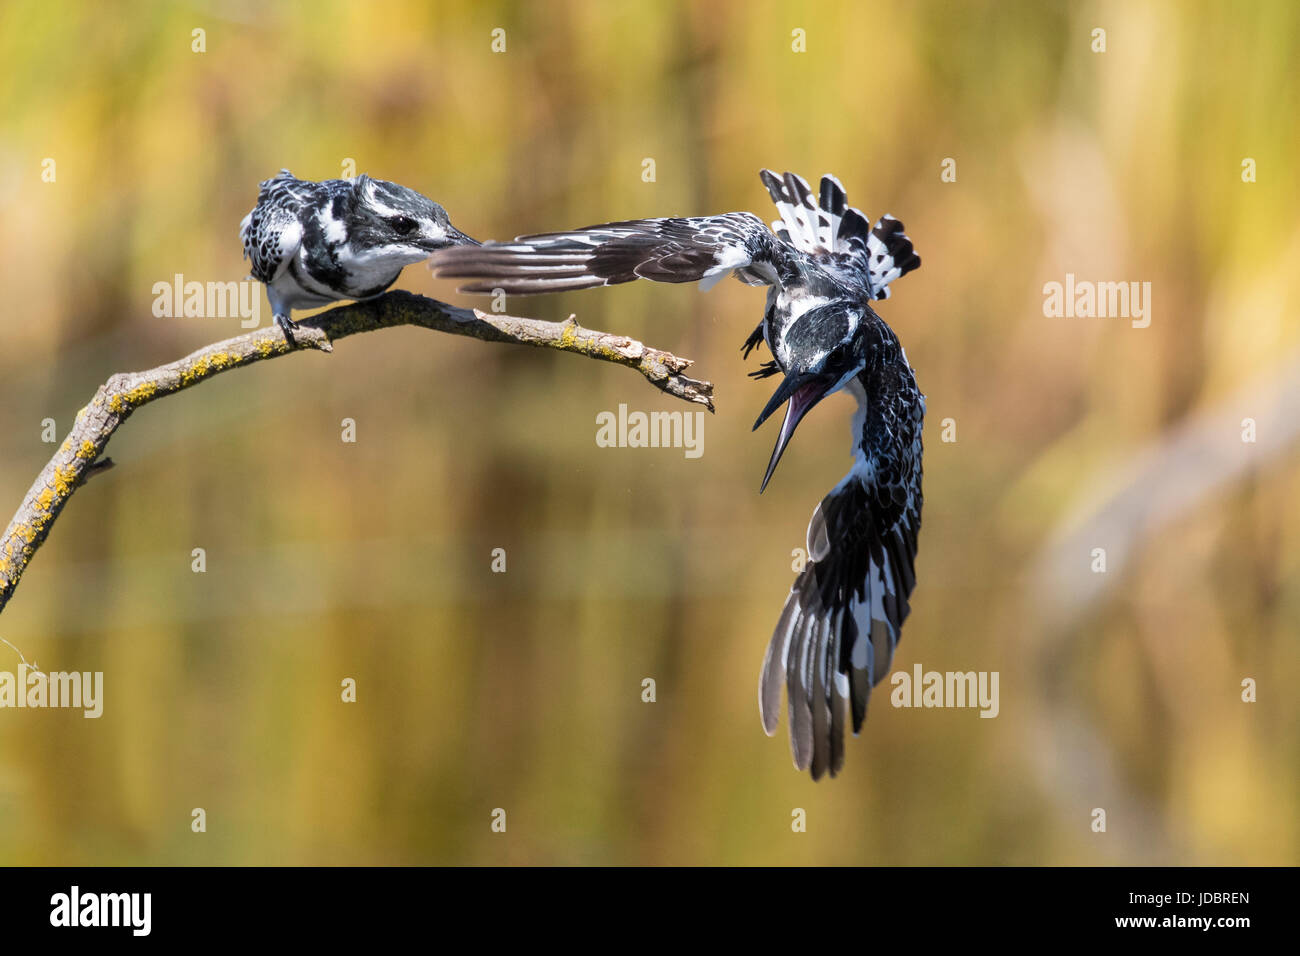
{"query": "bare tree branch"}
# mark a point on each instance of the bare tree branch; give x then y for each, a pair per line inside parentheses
(78, 458)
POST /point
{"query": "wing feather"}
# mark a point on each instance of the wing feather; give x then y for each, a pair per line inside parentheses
(702, 249)
(842, 621)
(272, 231)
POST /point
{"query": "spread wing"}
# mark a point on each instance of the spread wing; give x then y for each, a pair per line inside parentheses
(842, 620)
(697, 249)
(272, 231)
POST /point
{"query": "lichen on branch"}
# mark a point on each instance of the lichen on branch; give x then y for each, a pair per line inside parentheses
(80, 455)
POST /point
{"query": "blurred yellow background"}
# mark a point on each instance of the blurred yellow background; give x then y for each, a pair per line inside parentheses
(328, 560)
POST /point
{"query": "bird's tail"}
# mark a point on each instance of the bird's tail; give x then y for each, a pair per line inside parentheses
(888, 249)
(831, 225)
(807, 227)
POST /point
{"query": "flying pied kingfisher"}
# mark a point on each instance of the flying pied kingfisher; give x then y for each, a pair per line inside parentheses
(313, 243)
(824, 265)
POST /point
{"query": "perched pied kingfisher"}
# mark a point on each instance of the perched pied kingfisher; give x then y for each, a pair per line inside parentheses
(824, 264)
(313, 243)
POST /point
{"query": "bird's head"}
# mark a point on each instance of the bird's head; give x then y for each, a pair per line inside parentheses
(397, 223)
(825, 353)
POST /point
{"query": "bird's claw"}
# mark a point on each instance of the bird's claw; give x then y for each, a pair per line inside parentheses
(287, 326)
(754, 341)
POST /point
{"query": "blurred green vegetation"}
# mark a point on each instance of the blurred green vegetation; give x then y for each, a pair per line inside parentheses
(523, 690)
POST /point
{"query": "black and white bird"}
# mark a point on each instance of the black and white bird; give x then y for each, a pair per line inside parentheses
(824, 264)
(315, 243)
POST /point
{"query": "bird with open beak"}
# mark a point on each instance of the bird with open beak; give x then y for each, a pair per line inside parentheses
(824, 264)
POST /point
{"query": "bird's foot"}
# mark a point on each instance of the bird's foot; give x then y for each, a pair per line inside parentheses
(754, 341)
(287, 326)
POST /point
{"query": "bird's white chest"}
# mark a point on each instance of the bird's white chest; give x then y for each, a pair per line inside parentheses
(367, 268)
(788, 309)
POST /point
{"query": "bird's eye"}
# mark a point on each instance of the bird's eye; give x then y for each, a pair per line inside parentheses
(403, 224)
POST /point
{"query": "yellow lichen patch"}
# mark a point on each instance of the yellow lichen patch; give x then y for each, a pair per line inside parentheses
(87, 450)
(129, 400)
(571, 341)
(45, 499)
(208, 365)
(265, 347)
(64, 480)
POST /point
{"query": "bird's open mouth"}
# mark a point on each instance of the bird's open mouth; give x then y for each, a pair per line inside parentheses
(802, 393)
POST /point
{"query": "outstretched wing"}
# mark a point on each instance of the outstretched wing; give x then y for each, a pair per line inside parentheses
(272, 231)
(697, 249)
(842, 620)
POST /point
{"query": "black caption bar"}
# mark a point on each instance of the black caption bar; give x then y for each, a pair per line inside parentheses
(135, 906)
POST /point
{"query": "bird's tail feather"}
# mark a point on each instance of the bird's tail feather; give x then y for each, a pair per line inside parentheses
(888, 248)
(801, 223)
(832, 225)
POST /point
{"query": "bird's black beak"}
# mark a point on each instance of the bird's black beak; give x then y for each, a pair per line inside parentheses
(802, 392)
(457, 238)
(453, 237)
